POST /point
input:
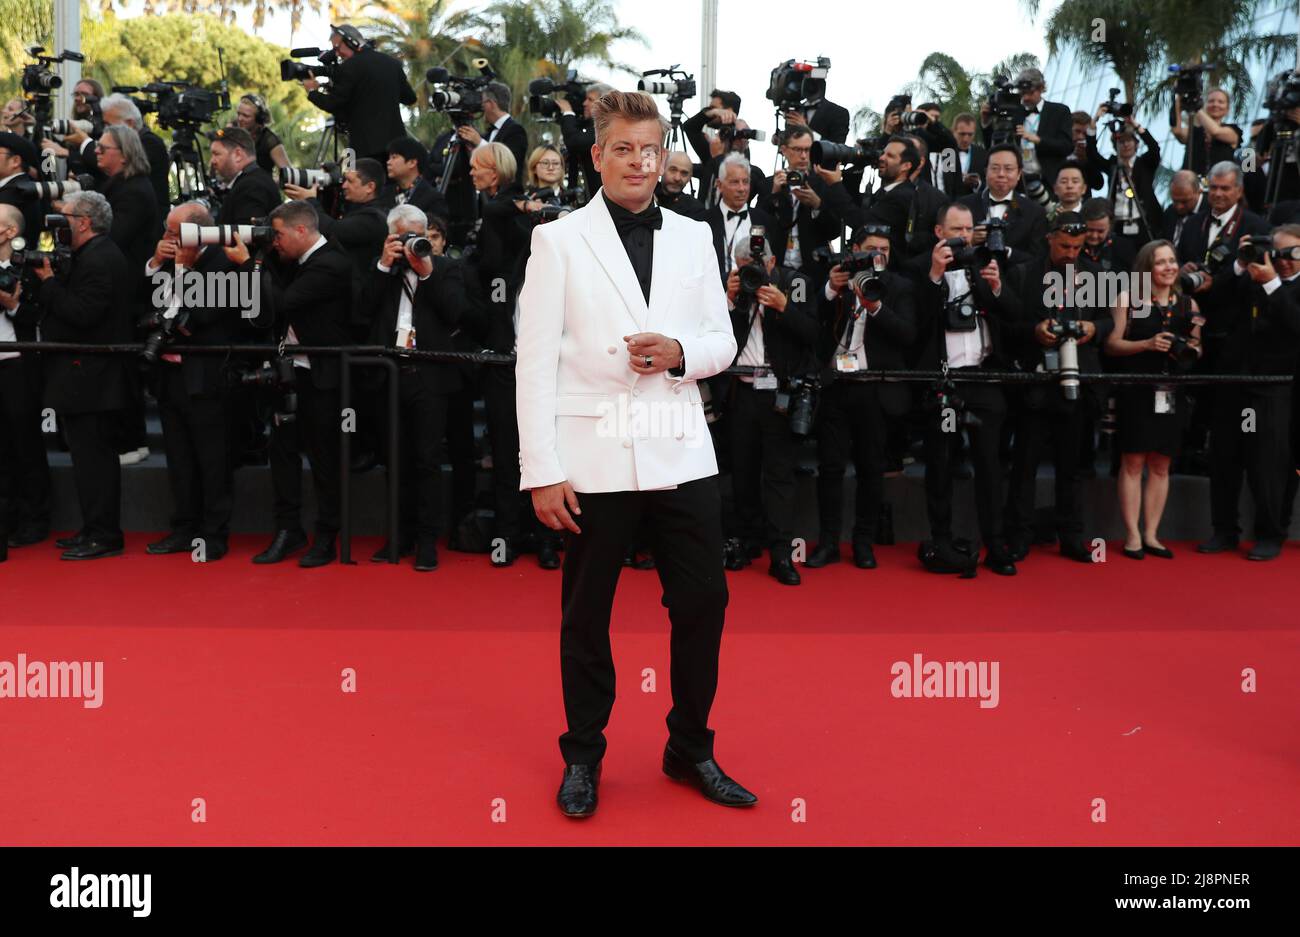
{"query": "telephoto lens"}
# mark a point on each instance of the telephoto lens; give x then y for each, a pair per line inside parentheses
(1069, 369)
(223, 235)
(870, 285)
(1189, 281)
(417, 244)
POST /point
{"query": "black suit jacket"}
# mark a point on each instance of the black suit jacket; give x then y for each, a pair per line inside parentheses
(1264, 329)
(1056, 138)
(878, 207)
(1145, 166)
(887, 336)
(1219, 303)
(136, 226)
(790, 337)
(953, 186)
(253, 195)
(426, 198)
(208, 325)
(830, 121)
(1192, 224)
(813, 232)
(314, 298)
(363, 96)
(435, 313)
(1026, 232)
(930, 300)
(685, 205)
(717, 222)
(87, 306)
(515, 137)
(501, 251)
(361, 232)
(33, 209)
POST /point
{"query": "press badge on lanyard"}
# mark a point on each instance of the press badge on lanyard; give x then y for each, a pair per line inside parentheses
(1164, 399)
(406, 338)
(846, 362)
(764, 379)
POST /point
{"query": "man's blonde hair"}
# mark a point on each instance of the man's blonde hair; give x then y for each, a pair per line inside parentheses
(632, 106)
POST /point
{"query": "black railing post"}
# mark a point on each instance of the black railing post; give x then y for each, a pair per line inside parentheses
(345, 461)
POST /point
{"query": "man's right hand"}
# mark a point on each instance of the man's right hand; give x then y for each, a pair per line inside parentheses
(723, 115)
(393, 249)
(9, 301)
(555, 506)
(839, 278)
(565, 106)
(733, 285)
(940, 258)
(165, 251)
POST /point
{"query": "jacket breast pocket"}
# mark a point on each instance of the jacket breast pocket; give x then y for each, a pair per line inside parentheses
(693, 283)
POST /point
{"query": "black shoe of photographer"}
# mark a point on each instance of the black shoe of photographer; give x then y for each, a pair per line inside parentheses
(864, 557)
(1073, 550)
(782, 570)
(67, 543)
(733, 556)
(92, 550)
(709, 778)
(285, 543)
(1219, 543)
(404, 548)
(175, 542)
(1265, 550)
(548, 557)
(999, 560)
(1017, 549)
(27, 537)
(426, 556)
(577, 794)
(823, 555)
(322, 552)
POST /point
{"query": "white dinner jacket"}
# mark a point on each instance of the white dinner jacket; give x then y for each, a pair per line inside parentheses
(584, 415)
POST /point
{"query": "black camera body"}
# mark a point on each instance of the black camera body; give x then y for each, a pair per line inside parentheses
(1187, 84)
(792, 82)
(1117, 111)
(290, 70)
(942, 395)
(1006, 109)
(797, 401)
(459, 97)
(865, 152)
(276, 375)
(1283, 95)
(38, 80)
(60, 259)
(162, 331)
(679, 86)
(796, 178)
(542, 106)
(1254, 250)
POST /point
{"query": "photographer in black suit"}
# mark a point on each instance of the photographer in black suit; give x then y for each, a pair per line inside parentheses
(776, 331)
(868, 321)
(360, 229)
(193, 396)
(1263, 338)
(406, 160)
(1026, 234)
(251, 191)
(18, 160)
(968, 175)
(417, 302)
(825, 119)
(306, 300)
(801, 223)
(1045, 138)
(579, 134)
(1132, 193)
(1187, 203)
(961, 324)
(722, 116)
(671, 191)
(500, 127)
(1040, 304)
(364, 94)
(890, 204)
(118, 109)
(86, 305)
(731, 218)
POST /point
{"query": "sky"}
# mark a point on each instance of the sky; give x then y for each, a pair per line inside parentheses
(754, 36)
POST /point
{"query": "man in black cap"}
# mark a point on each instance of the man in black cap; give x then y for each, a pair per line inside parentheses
(18, 157)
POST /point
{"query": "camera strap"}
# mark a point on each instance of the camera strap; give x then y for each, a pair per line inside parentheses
(1225, 233)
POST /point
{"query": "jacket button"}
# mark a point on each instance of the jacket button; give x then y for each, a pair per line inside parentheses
(677, 388)
(636, 392)
(681, 436)
(612, 349)
(627, 444)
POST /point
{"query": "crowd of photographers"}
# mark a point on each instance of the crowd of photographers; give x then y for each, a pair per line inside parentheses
(980, 247)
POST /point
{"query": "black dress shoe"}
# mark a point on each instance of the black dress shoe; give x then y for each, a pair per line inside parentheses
(823, 555)
(426, 556)
(285, 543)
(322, 552)
(92, 550)
(644, 561)
(175, 542)
(864, 557)
(1000, 562)
(1138, 554)
(733, 555)
(1219, 543)
(1265, 550)
(67, 543)
(214, 548)
(403, 549)
(577, 794)
(1017, 550)
(783, 571)
(1075, 551)
(25, 538)
(1163, 552)
(753, 549)
(547, 556)
(711, 780)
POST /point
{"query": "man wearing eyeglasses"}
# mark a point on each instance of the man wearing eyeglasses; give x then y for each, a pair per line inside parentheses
(86, 305)
(802, 224)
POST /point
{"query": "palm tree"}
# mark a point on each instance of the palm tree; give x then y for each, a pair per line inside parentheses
(946, 82)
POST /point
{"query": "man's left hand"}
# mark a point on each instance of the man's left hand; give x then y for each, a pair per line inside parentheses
(44, 271)
(772, 298)
(664, 352)
(1262, 271)
(297, 193)
(469, 135)
(794, 117)
(1089, 332)
(807, 196)
(310, 84)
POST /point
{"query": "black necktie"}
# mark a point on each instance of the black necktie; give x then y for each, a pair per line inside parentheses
(626, 221)
(737, 214)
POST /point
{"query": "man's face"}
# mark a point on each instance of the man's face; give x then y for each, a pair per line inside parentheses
(1032, 97)
(891, 163)
(1069, 186)
(1064, 248)
(1079, 132)
(185, 256)
(1184, 199)
(874, 242)
(79, 227)
(342, 48)
(1003, 173)
(677, 172)
(629, 160)
(246, 116)
(1098, 231)
(956, 223)
(1216, 104)
(1286, 268)
(589, 102)
(223, 160)
(355, 189)
(291, 241)
(797, 151)
(80, 93)
(933, 113)
(965, 134)
(437, 240)
(1125, 145)
(402, 169)
(735, 187)
(9, 164)
(1224, 193)
(8, 231)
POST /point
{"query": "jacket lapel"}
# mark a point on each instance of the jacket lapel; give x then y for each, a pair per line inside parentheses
(605, 243)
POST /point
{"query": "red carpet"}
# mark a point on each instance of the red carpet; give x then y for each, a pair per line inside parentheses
(223, 682)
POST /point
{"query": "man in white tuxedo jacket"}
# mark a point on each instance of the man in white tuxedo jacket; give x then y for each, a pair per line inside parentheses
(620, 314)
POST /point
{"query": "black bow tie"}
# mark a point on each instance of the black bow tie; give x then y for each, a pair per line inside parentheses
(626, 221)
(1032, 110)
(1005, 201)
(737, 214)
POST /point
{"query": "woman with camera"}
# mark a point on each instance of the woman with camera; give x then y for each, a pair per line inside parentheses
(1161, 335)
(546, 174)
(254, 116)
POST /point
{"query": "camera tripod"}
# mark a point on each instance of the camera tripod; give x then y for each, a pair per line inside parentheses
(187, 166)
(1284, 141)
(329, 143)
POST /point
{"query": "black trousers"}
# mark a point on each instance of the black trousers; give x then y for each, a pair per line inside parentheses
(987, 405)
(503, 428)
(852, 426)
(24, 470)
(196, 438)
(460, 449)
(762, 468)
(1263, 456)
(315, 432)
(423, 416)
(1057, 430)
(92, 443)
(685, 530)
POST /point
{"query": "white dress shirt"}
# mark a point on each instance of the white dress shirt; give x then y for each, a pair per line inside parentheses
(857, 345)
(734, 231)
(7, 333)
(404, 308)
(965, 349)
